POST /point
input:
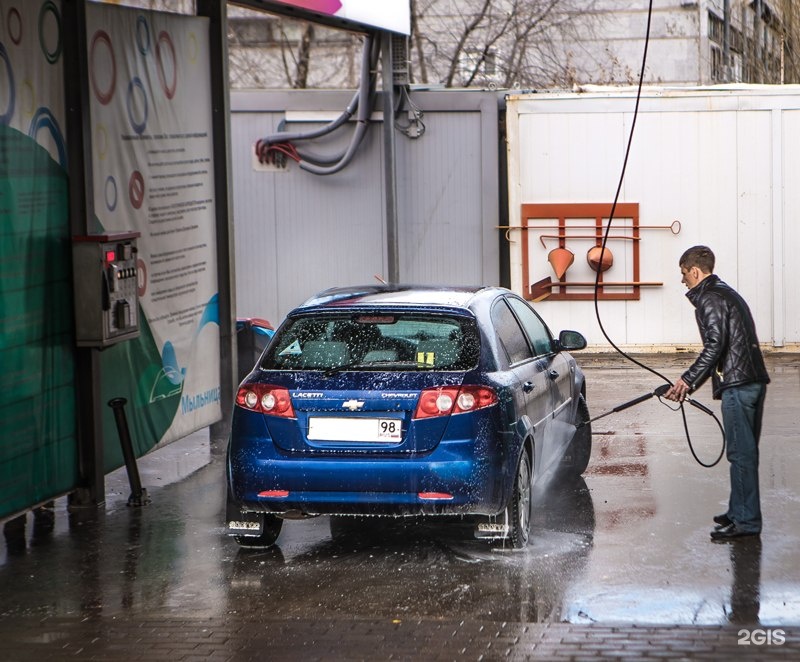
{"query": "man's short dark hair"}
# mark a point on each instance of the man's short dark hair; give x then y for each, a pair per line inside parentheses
(701, 257)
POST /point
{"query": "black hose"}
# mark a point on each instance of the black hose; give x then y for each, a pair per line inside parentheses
(361, 101)
(365, 92)
(661, 390)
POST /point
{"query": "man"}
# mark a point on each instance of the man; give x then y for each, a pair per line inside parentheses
(731, 356)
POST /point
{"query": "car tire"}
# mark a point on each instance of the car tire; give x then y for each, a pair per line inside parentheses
(518, 512)
(269, 533)
(580, 447)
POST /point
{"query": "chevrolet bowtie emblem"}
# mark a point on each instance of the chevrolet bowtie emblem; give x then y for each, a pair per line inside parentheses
(353, 405)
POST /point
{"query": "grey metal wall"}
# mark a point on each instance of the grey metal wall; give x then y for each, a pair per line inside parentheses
(298, 233)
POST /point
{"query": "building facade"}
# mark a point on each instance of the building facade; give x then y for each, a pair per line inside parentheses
(515, 44)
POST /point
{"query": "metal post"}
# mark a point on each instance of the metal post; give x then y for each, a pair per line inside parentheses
(390, 159)
(91, 491)
(138, 495)
(215, 10)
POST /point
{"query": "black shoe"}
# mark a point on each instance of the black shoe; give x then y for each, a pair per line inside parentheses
(731, 532)
(723, 520)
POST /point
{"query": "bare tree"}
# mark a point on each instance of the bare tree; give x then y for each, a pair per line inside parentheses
(507, 43)
(267, 51)
(791, 41)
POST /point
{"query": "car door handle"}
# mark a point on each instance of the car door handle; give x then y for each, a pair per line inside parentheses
(553, 374)
(527, 387)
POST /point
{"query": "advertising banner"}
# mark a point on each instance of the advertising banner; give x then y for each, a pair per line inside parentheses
(392, 15)
(38, 449)
(153, 172)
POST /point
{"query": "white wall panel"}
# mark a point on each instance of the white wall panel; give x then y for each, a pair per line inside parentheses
(786, 258)
(716, 160)
(298, 233)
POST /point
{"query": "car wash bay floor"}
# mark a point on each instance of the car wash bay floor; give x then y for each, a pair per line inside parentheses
(620, 563)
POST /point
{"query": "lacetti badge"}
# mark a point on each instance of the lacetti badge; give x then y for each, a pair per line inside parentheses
(353, 405)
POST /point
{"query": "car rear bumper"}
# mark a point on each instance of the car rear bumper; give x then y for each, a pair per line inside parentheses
(458, 477)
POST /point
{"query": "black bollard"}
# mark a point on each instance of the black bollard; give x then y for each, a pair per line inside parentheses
(138, 495)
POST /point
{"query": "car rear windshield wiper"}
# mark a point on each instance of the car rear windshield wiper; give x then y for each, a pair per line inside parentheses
(336, 369)
(366, 365)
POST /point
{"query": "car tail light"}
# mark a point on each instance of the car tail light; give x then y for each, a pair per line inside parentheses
(265, 399)
(446, 400)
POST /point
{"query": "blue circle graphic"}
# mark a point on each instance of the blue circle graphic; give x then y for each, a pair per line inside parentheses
(142, 35)
(43, 118)
(138, 127)
(5, 118)
(112, 183)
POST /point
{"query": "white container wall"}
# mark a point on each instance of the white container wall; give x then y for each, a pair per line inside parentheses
(720, 161)
(298, 233)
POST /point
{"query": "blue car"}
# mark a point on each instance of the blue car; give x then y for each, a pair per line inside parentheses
(406, 401)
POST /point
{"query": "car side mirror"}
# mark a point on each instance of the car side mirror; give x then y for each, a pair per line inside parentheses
(570, 341)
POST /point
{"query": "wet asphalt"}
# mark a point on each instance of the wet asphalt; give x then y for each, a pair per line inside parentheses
(626, 544)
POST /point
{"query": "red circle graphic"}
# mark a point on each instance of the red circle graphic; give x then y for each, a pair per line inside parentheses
(14, 25)
(136, 189)
(169, 90)
(103, 96)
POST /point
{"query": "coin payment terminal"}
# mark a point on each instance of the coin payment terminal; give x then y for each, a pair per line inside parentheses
(105, 281)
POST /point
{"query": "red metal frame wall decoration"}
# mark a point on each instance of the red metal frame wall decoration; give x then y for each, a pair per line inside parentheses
(582, 224)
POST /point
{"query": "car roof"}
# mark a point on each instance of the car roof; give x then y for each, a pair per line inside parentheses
(398, 295)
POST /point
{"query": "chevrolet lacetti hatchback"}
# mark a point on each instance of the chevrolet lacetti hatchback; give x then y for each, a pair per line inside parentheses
(405, 401)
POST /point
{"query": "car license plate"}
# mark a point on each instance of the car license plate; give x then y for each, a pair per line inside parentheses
(381, 430)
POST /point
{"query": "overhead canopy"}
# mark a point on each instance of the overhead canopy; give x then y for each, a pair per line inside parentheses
(391, 15)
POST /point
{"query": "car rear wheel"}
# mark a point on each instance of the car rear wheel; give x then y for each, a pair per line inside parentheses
(577, 456)
(269, 533)
(518, 512)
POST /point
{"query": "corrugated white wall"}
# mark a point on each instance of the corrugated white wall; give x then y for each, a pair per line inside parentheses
(721, 161)
(298, 233)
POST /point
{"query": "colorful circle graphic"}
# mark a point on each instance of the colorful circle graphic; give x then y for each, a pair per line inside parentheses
(136, 189)
(104, 96)
(138, 120)
(101, 136)
(169, 89)
(142, 35)
(191, 47)
(14, 25)
(49, 7)
(111, 193)
(43, 119)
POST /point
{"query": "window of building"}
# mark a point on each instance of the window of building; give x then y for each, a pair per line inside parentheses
(716, 28)
(716, 64)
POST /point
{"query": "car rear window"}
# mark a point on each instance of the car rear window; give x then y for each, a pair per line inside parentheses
(394, 341)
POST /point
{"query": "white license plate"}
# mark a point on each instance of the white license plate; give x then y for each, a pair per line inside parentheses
(383, 430)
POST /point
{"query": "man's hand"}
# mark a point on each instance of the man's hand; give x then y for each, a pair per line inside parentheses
(678, 391)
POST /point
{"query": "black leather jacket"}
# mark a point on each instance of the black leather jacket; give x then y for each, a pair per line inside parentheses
(731, 354)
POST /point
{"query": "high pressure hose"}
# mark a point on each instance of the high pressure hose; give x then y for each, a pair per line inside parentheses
(365, 98)
(662, 389)
(361, 102)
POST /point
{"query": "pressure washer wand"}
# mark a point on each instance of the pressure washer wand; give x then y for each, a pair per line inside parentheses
(661, 390)
(624, 405)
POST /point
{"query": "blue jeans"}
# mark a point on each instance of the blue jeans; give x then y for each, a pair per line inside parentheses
(742, 411)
